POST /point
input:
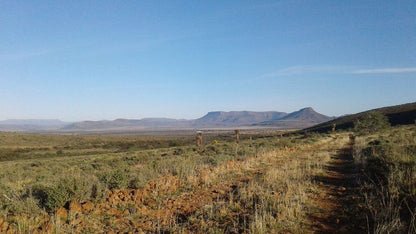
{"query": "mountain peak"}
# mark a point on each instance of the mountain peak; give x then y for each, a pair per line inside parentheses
(307, 114)
(307, 109)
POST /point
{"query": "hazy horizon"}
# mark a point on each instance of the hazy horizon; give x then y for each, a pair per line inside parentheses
(105, 60)
(150, 117)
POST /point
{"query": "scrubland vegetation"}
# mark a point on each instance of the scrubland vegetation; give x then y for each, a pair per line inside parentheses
(233, 187)
(89, 184)
(388, 161)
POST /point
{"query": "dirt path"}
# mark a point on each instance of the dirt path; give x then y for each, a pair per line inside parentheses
(337, 208)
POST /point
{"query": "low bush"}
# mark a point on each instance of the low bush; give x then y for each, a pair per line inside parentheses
(371, 122)
(389, 166)
(53, 196)
(115, 179)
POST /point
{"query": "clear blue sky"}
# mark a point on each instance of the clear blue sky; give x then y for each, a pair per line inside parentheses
(79, 60)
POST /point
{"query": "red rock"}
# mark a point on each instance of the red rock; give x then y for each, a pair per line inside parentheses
(76, 222)
(87, 207)
(97, 211)
(61, 213)
(113, 211)
(4, 226)
(79, 229)
(113, 199)
(150, 202)
(75, 207)
(136, 223)
(230, 163)
(48, 227)
(126, 212)
(223, 212)
(138, 201)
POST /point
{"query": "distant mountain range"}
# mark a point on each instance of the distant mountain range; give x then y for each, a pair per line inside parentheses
(121, 124)
(31, 125)
(305, 117)
(236, 118)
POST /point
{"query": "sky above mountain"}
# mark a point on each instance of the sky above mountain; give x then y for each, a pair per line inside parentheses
(77, 60)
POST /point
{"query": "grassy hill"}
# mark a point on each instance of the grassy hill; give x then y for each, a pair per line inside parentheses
(398, 115)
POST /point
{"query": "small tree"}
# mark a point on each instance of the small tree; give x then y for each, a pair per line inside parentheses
(371, 122)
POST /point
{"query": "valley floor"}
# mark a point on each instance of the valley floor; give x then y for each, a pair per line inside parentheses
(311, 186)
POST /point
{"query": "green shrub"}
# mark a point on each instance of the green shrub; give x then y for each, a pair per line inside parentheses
(371, 122)
(52, 197)
(115, 179)
(389, 166)
(18, 202)
(137, 182)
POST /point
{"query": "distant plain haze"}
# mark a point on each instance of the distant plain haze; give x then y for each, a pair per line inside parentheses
(76, 60)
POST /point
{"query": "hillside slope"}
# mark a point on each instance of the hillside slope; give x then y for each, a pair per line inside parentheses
(398, 115)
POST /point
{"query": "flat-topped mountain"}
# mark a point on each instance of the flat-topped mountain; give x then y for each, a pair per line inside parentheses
(237, 118)
(305, 117)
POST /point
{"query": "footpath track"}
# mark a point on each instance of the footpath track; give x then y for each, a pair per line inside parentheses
(337, 206)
